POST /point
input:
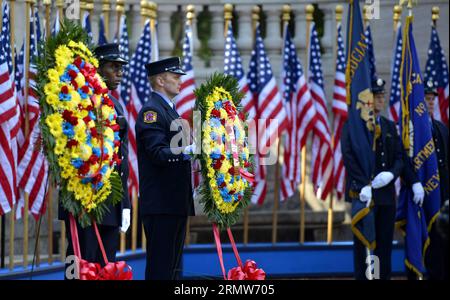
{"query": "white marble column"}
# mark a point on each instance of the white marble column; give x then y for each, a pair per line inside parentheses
(165, 40)
(216, 42)
(300, 31)
(245, 36)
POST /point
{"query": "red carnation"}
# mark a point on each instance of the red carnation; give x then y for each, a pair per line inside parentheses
(72, 74)
(97, 178)
(75, 84)
(84, 169)
(116, 143)
(77, 62)
(90, 108)
(222, 121)
(231, 192)
(247, 164)
(239, 197)
(93, 159)
(64, 89)
(105, 156)
(215, 113)
(73, 121)
(222, 185)
(66, 114)
(115, 127)
(85, 89)
(72, 143)
(242, 116)
(87, 119)
(94, 132)
(231, 171)
(217, 164)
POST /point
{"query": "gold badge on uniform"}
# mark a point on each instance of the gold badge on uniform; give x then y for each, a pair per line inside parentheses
(150, 117)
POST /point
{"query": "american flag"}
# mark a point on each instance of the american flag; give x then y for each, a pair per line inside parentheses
(86, 24)
(185, 100)
(395, 96)
(140, 93)
(9, 120)
(436, 70)
(371, 53)
(301, 115)
(340, 113)
(101, 32)
(232, 65)
(270, 113)
(129, 107)
(321, 152)
(33, 166)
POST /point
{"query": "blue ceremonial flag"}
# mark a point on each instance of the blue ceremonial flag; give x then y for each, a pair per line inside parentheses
(416, 221)
(360, 122)
(372, 65)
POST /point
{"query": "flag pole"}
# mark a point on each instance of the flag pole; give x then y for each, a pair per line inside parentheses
(190, 15)
(396, 17)
(90, 8)
(365, 17)
(47, 4)
(29, 10)
(338, 10)
(309, 9)
(153, 15)
(286, 17)
(106, 8)
(255, 19)
(83, 4)
(13, 209)
(144, 12)
(120, 9)
(227, 16)
(60, 6)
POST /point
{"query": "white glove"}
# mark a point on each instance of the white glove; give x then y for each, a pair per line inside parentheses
(419, 193)
(191, 149)
(366, 194)
(125, 220)
(382, 179)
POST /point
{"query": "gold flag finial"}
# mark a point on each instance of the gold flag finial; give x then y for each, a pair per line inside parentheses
(47, 2)
(255, 13)
(287, 13)
(106, 6)
(190, 12)
(228, 12)
(90, 6)
(435, 13)
(397, 13)
(309, 9)
(120, 6)
(144, 8)
(339, 10)
(152, 10)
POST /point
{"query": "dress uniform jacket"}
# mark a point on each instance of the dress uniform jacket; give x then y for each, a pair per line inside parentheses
(164, 176)
(440, 138)
(113, 216)
(388, 157)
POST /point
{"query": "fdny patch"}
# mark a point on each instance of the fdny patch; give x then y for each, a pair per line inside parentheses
(150, 117)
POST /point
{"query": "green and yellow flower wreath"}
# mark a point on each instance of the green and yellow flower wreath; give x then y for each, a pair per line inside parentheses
(78, 124)
(226, 188)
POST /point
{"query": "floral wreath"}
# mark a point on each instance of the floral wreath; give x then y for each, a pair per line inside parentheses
(225, 159)
(78, 124)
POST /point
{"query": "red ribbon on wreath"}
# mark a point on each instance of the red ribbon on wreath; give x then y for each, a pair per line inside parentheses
(119, 270)
(248, 271)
